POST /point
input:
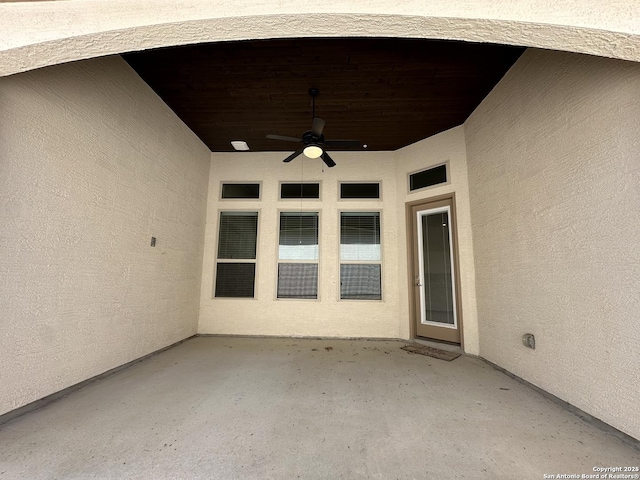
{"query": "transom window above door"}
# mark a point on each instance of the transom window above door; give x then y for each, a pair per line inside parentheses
(429, 177)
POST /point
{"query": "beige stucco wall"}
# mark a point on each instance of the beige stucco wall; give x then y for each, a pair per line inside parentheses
(329, 316)
(36, 34)
(554, 176)
(92, 164)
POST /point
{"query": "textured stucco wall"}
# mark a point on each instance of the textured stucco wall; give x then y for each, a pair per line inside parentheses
(92, 164)
(36, 34)
(327, 316)
(554, 177)
(448, 147)
(330, 316)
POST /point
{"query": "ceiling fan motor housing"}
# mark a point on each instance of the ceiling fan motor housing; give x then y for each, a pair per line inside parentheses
(308, 138)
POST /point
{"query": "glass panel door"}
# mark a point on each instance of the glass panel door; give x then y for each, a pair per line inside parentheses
(436, 315)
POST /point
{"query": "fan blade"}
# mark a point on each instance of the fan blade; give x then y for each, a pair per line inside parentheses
(293, 155)
(317, 126)
(328, 160)
(285, 138)
(343, 143)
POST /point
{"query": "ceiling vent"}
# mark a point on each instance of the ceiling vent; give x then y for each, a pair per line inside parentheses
(240, 145)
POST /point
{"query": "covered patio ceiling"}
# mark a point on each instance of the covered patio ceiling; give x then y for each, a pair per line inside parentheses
(385, 92)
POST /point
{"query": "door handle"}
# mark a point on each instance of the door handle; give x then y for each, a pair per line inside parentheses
(418, 284)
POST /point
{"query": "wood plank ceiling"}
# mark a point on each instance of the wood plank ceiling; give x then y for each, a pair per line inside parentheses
(385, 92)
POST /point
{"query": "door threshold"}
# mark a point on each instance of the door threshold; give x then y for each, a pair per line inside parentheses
(442, 345)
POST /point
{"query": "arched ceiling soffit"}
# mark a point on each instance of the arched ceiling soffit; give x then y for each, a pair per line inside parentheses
(37, 34)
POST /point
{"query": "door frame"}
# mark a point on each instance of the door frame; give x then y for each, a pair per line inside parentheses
(410, 229)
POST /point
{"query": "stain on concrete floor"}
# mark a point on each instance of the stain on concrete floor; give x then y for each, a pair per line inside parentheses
(223, 407)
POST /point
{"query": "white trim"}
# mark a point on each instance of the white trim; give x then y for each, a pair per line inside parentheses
(418, 219)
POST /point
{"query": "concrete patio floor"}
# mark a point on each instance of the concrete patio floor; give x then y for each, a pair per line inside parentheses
(224, 407)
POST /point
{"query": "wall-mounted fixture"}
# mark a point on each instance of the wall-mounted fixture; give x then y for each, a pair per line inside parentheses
(528, 340)
(153, 241)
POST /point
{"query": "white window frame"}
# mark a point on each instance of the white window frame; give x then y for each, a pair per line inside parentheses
(421, 272)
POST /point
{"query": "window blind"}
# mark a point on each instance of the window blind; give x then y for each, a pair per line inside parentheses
(236, 241)
(298, 236)
(360, 236)
(298, 280)
(360, 282)
(235, 279)
(238, 234)
(360, 242)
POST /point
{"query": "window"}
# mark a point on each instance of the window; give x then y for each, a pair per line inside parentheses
(299, 190)
(359, 190)
(428, 178)
(298, 255)
(236, 265)
(360, 256)
(241, 190)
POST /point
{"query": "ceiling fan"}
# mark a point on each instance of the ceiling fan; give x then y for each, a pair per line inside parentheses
(314, 143)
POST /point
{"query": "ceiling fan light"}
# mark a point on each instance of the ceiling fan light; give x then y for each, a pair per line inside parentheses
(312, 151)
